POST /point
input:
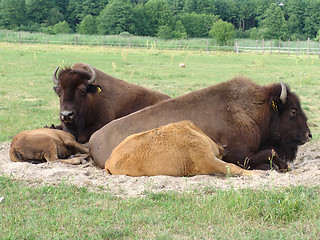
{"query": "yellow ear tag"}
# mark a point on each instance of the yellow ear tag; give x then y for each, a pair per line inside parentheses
(99, 89)
(275, 106)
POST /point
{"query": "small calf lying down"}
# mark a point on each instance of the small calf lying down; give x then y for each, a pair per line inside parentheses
(46, 144)
(177, 149)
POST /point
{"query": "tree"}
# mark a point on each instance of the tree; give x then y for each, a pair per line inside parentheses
(199, 6)
(197, 25)
(38, 10)
(165, 32)
(179, 31)
(157, 13)
(295, 9)
(312, 21)
(116, 17)
(222, 31)
(62, 27)
(87, 26)
(274, 23)
(74, 12)
(140, 23)
(54, 16)
(294, 25)
(12, 13)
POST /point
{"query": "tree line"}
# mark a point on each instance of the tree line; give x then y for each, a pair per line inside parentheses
(220, 19)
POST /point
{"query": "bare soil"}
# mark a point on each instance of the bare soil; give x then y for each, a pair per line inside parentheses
(305, 171)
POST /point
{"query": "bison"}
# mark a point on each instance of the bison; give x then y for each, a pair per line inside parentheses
(177, 149)
(262, 126)
(46, 144)
(89, 99)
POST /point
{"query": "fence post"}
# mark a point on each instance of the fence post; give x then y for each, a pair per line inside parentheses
(308, 47)
(288, 46)
(279, 44)
(75, 40)
(207, 45)
(19, 38)
(319, 47)
(263, 45)
(129, 42)
(297, 47)
(179, 44)
(271, 47)
(256, 46)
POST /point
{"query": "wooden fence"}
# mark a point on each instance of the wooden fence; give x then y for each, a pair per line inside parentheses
(240, 45)
(282, 47)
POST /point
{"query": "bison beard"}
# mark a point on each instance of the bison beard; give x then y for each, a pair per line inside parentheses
(253, 121)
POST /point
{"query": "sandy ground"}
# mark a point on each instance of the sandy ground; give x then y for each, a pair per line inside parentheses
(305, 171)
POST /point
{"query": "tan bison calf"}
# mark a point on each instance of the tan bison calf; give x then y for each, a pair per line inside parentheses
(177, 149)
(46, 144)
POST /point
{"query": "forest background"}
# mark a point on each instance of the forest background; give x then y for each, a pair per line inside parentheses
(167, 19)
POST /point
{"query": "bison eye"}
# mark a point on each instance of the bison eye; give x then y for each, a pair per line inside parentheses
(293, 113)
(83, 92)
(57, 90)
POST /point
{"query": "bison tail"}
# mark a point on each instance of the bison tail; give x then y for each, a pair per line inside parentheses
(15, 156)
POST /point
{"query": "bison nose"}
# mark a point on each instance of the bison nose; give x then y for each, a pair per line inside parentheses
(67, 116)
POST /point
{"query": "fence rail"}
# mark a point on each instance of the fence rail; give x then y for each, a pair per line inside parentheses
(240, 45)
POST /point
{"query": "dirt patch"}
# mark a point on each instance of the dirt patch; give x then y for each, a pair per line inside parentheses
(305, 171)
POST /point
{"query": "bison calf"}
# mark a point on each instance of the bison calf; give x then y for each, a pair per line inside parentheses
(45, 144)
(177, 149)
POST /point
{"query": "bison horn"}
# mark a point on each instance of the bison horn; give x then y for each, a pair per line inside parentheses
(283, 95)
(93, 76)
(54, 76)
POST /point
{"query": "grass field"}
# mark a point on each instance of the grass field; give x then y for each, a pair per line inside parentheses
(27, 101)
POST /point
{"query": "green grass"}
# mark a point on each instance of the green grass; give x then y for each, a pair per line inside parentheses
(68, 212)
(27, 101)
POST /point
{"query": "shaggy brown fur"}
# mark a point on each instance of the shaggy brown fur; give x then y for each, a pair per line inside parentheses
(250, 119)
(86, 108)
(45, 144)
(177, 149)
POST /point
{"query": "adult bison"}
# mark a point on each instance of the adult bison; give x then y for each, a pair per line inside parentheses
(90, 98)
(261, 125)
(177, 149)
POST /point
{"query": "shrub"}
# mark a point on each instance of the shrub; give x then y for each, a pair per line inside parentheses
(222, 31)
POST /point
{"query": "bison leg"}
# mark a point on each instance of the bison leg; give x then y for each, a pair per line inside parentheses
(54, 157)
(265, 158)
(73, 161)
(75, 145)
(54, 127)
(219, 166)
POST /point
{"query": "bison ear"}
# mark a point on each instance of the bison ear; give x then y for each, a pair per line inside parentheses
(55, 89)
(94, 89)
(278, 97)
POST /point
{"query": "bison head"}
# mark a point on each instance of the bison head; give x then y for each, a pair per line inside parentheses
(289, 123)
(75, 89)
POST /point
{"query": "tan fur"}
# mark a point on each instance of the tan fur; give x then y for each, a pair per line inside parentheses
(177, 149)
(46, 145)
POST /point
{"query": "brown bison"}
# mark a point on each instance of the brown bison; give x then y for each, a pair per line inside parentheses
(89, 99)
(252, 120)
(46, 144)
(177, 149)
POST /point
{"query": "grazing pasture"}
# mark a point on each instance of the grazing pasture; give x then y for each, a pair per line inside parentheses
(27, 100)
(38, 210)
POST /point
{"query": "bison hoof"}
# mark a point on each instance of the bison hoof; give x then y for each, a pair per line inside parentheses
(284, 170)
(51, 127)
